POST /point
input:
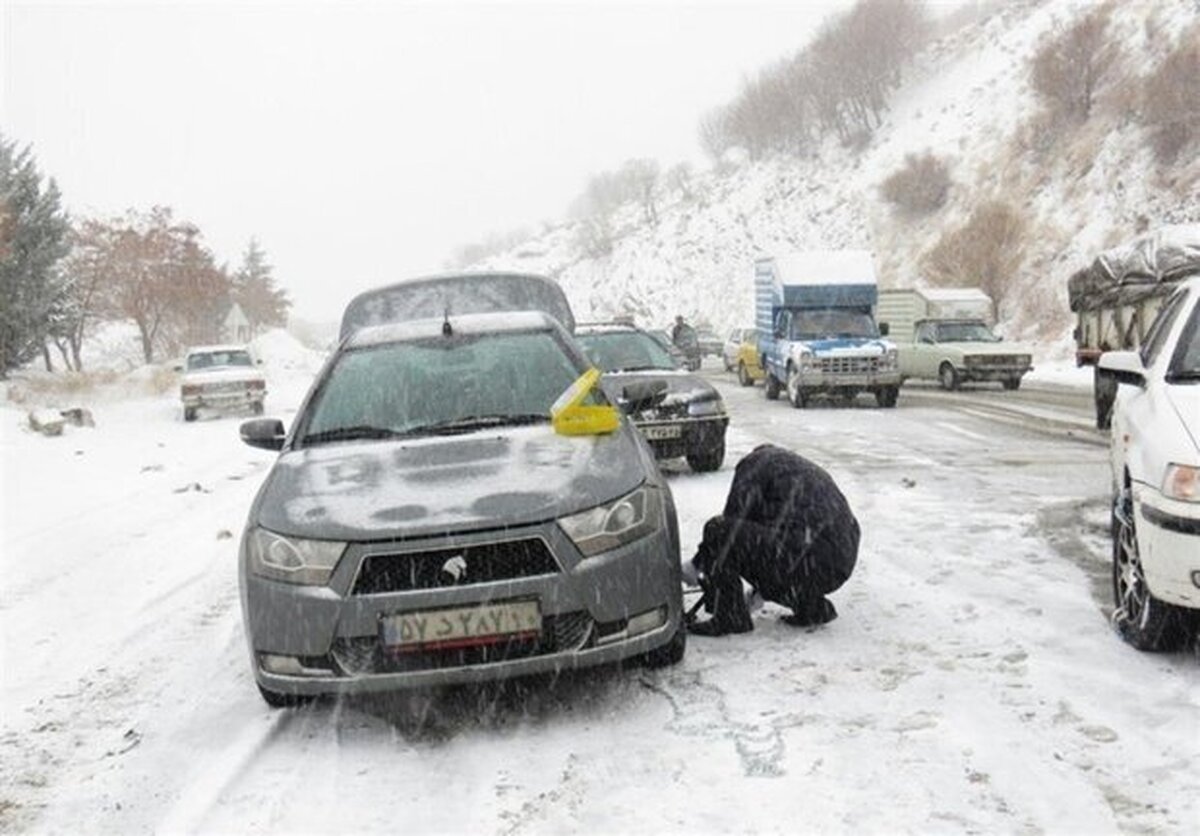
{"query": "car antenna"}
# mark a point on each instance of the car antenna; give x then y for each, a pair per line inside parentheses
(447, 331)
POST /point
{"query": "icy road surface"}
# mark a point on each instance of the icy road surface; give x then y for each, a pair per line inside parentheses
(972, 682)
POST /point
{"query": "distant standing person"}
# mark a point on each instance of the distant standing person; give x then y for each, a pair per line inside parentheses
(788, 531)
(680, 329)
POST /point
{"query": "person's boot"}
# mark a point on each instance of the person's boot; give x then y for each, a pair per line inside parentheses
(811, 613)
(717, 626)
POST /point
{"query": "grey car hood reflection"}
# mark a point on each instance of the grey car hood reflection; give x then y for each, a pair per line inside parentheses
(426, 486)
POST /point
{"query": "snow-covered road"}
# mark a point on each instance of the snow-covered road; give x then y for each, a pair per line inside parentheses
(971, 683)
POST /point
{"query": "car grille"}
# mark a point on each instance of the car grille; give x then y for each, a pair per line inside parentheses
(367, 655)
(848, 365)
(991, 360)
(464, 566)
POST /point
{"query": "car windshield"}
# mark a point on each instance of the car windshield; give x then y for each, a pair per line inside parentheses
(831, 323)
(1185, 364)
(217, 359)
(965, 332)
(625, 351)
(440, 386)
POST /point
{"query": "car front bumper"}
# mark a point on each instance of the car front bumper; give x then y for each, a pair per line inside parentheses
(586, 607)
(1169, 547)
(673, 438)
(830, 381)
(992, 372)
(224, 400)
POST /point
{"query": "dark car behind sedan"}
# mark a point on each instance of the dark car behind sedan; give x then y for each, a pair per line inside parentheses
(688, 421)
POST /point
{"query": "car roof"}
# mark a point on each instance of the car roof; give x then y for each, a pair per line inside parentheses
(506, 322)
(212, 349)
(588, 329)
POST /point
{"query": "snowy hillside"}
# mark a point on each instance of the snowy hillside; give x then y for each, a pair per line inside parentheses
(967, 99)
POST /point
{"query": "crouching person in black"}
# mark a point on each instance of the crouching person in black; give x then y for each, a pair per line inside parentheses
(788, 531)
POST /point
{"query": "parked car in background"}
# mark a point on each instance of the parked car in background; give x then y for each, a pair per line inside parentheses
(958, 351)
(220, 377)
(663, 338)
(430, 521)
(1155, 456)
(690, 419)
(709, 342)
(729, 348)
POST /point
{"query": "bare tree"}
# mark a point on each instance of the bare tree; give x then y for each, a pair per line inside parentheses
(1171, 100)
(985, 252)
(1070, 65)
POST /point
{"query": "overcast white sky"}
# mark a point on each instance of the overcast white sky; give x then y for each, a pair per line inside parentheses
(361, 143)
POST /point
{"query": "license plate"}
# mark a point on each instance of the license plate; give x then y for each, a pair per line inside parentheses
(663, 432)
(462, 626)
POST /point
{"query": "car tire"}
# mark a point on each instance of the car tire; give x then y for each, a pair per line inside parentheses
(671, 653)
(744, 377)
(708, 458)
(887, 396)
(189, 413)
(771, 387)
(796, 396)
(1140, 619)
(1011, 383)
(948, 377)
(275, 699)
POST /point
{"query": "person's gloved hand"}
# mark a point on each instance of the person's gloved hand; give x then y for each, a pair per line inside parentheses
(691, 575)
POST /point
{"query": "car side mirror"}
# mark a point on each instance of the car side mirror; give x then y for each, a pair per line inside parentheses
(265, 433)
(884, 329)
(643, 395)
(1125, 366)
(177, 368)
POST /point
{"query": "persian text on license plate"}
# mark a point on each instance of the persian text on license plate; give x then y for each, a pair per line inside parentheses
(462, 626)
(663, 431)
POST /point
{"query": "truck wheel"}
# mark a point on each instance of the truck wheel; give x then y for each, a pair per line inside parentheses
(887, 396)
(744, 377)
(948, 377)
(771, 387)
(708, 458)
(189, 413)
(1011, 383)
(796, 395)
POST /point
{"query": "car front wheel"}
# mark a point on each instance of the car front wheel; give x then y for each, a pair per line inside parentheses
(744, 377)
(948, 377)
(1141, 619)
(708, 457)
(796, 395)
(771, 387)
(670, 653)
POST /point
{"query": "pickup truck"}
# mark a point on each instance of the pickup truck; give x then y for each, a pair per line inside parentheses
(944, 334)
(817, 337)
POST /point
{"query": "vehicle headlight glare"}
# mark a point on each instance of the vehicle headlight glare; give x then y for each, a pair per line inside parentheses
(1182, 482)
(890, 358)
(617, 523)
(292, 560)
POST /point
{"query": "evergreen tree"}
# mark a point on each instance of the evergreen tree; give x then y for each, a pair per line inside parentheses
(33, 238)
(254, 289)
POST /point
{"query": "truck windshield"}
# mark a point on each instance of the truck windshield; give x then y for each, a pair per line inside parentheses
(831, 324)
(965, 332)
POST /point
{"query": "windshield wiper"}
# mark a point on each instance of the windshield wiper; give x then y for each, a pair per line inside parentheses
(641, 369)
(356, 433)
(478, 422)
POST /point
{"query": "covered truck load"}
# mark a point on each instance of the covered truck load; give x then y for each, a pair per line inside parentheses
(1117, 296)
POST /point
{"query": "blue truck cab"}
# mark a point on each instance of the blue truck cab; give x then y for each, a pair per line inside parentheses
(815, 313)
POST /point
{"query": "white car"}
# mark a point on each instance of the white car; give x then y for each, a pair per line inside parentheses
(1155, 452)
(220, 377)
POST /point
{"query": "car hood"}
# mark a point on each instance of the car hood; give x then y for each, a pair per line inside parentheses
(1185, 400)
(991, 349)
(419, 487)
(682, 387)
(228, 374)
(849, 347)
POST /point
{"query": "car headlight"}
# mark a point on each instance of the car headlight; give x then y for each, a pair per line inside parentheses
(617, 523)
(1024, 359)
(292, 560)
(1182, 482)
(808, 361)
(712, 406)
(889, 359)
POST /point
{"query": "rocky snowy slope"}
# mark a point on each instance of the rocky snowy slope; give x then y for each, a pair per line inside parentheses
(967, 98)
